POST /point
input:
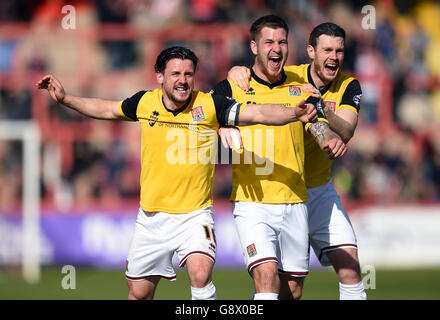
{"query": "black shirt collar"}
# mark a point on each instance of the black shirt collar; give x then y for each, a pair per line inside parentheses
(268, 84)
(309, 77)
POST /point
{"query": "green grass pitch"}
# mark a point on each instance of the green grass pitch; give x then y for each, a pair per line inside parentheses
(94, 284)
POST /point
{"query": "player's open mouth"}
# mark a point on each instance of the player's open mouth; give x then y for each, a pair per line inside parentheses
(275, 62)
(181, 90)
(331, 68)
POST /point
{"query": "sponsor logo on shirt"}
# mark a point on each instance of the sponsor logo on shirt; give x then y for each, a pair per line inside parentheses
(357, 99)
(153, 118)
(251, 92)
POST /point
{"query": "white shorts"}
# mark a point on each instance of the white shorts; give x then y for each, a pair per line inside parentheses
(329, 225)
(158, 235)
(274, 232)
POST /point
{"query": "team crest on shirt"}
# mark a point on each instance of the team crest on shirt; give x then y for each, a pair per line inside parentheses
(294, 91)
(198, 114)
(331, 105)
(251, 250)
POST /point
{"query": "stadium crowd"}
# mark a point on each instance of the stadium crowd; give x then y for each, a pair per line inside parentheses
(393, 163)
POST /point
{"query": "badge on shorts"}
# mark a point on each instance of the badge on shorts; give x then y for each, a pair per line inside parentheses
(198, 114)
(251, 250)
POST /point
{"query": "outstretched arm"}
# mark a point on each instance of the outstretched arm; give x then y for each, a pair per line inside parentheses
(276, 115)
(90, 107)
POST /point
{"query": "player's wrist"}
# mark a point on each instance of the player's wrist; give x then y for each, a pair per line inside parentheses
(325, 108)
(66, 99)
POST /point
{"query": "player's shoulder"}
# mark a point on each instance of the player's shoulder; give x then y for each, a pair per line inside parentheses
(300, 68)
(147, 95)
(296, 73)
(212, 98)
(343, 77)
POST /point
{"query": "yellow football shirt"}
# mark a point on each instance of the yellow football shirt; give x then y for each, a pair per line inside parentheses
(178, 149)
(271, 167)
(342, 93)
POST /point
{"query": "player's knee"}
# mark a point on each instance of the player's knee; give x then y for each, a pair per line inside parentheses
(139, 293)
(142, 290)
(200, 277)
(349, 273)
(297, 293)
(265, 275)
(291, 288)
(346, 265)
(199, 271)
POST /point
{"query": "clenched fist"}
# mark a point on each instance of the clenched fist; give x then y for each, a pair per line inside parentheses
(51, 84)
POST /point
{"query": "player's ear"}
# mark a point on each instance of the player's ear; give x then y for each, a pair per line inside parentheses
(311, 52)
(254, 47)
(159, 77)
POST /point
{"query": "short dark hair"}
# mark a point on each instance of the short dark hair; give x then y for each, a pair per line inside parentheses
(172, 53)
(327, 28)
(271, 21)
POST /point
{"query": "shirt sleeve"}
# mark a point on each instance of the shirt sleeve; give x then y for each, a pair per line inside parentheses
(321, 115)
(129, 105)
(352, 95)
(227, 110)
(223, 88)
(317, 103)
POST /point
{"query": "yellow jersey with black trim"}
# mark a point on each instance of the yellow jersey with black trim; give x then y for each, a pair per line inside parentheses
(178, 148)
(344, 92)
(271, 167)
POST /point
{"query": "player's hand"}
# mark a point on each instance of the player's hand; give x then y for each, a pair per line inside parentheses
(335, 148)
(240, 76)
(306, 112)
(231, 137)
(51, 84)
(308, 87)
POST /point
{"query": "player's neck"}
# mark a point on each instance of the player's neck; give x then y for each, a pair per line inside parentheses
(171, 105)
(317, 80)
(266, 77)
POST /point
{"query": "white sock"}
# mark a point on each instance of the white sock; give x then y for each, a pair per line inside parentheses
(205, 293)
(352, 291)
(266, 296)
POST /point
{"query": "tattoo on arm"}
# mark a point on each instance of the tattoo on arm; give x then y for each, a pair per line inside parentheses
(318, 129)
(322, 133)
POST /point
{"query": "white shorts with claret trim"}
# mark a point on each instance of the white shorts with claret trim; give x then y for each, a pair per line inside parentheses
(329, 225)
(158, 235)
(274, 232)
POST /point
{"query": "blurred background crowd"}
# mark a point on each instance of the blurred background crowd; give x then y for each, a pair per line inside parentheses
(393, 157)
